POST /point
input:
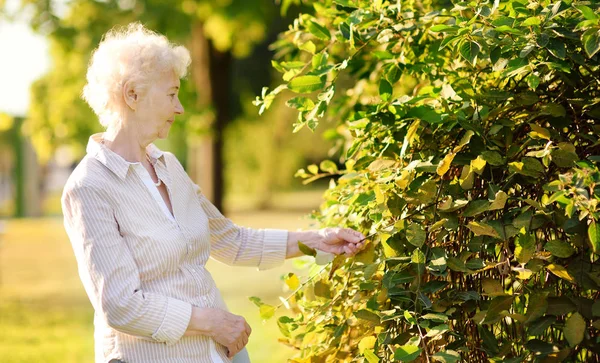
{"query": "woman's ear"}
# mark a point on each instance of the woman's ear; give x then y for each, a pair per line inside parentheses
(130, 95)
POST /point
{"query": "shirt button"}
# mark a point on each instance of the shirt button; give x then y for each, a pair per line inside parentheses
(193, 270)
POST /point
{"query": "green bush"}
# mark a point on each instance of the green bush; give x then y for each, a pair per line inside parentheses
(471, 151)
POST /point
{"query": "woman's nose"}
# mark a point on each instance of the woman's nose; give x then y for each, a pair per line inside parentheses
(179, 108)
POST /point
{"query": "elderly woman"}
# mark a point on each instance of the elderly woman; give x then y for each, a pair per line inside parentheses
(142, 231)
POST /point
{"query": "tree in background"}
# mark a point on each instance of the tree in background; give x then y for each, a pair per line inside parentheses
(471, 146)
(217, 34)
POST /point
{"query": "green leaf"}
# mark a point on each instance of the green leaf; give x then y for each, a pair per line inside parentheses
(309, 251)
(448, 356)
(559, 248)
(596, 308)
(409, 317)
(407, 353)
(591, 41)
(415, 235)
(476, 207)
(498, 306)
(322, 289)
(444, 28)
(318, 30)
(309, 47)
(301, 103)
(424, 113)
(367, 315)
(383, 55)
(499, 201)
(538, 327)
(509, 30)
(528, 167)
(533, 81)
(256, 300)
(539, 346)
(557, 48)
(385, 90)
(594, 236)
(574, 329)
(328, 166)
(525, 246)
(493, 158)
(587, 12)
(531, 21)
(469, 51)
(370, 356)
(305, 84)
(441, 318)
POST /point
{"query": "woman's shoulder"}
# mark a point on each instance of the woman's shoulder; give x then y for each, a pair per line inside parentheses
(172, 160)
(88, 174)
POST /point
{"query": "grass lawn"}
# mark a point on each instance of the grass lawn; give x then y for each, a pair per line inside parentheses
(45, 315)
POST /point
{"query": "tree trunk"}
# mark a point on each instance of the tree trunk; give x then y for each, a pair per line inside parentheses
(211, 72)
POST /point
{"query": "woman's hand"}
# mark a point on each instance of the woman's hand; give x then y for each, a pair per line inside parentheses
(339, 241)
(227, 329)
(330, 240)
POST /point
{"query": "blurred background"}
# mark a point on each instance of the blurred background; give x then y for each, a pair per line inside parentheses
(245, 163)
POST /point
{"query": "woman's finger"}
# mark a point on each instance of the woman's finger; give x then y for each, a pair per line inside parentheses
(350, 235)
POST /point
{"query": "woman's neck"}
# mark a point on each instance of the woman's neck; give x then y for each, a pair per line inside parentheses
(126, 143)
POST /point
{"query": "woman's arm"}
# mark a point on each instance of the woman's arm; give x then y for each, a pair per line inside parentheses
(109, 273)
(331, 240)
(227, 329)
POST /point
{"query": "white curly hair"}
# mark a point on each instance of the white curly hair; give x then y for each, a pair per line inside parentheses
(129, 54)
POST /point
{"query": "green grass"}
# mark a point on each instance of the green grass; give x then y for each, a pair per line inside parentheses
(45, 315)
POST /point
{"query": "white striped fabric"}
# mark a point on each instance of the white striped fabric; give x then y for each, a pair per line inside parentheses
(142, 270)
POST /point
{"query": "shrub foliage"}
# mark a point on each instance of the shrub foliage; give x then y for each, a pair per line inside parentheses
(469, 135)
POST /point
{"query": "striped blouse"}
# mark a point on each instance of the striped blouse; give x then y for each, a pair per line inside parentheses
(142, 270)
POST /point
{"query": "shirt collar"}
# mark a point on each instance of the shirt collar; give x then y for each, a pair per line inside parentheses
(114, 161)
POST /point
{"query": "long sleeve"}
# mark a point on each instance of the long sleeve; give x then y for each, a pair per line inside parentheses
(109, 273)
(242, 246)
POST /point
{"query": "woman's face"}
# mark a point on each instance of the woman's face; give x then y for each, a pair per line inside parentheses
(158, 108)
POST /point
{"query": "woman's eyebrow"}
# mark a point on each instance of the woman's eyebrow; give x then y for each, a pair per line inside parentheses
(176, 87)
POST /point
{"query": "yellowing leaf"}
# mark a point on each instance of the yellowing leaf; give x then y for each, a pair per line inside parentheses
(560, 271)
(292, 281)
(477, 165)
(412, 130)
(309, 47)
(499, 201)
(522, 273)
(574, 329)
(482, 229)
(467, 178)
(594, 236)
(464, 141)
(366, 343)
(370, 356)
(444, 165)
(267, 311)
(538, 132)
(524, 246)
(492, 287)
(6, 122)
